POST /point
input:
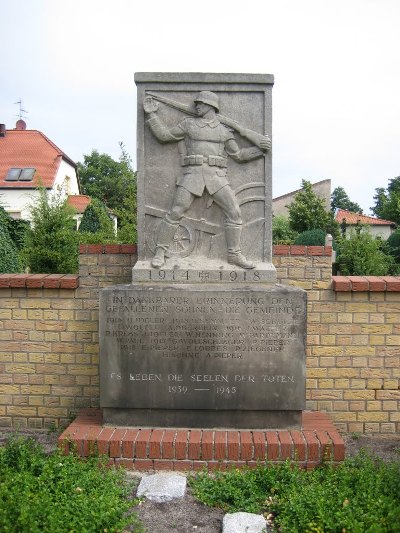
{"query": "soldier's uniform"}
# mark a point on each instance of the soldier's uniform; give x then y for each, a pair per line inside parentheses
(204, 149)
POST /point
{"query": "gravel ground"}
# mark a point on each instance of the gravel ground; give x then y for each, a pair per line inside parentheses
(187, 515)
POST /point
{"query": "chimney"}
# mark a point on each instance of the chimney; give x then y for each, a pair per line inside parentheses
(2, 130)
(20, 125)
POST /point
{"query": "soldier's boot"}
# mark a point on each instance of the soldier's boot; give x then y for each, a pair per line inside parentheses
(165, 234)
(233, 233)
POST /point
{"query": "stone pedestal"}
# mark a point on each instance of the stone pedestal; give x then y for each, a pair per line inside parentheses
(209, 355)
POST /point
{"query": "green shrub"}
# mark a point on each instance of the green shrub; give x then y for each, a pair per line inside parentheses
(51, 243)
(393, 245)
(312, 237)
(59, 493)
(9, 254)
(12, 240)
(96, 226)
(361, 495)
(282, 233)
(361, 255)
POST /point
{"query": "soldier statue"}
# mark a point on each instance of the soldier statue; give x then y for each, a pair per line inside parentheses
(204, 157)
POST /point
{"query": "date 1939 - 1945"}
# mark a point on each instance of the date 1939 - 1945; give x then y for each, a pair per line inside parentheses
(182, 389)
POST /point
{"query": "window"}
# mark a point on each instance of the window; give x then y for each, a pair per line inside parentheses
(20, 174)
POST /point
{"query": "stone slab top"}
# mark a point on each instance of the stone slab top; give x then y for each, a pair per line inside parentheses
(202, 77)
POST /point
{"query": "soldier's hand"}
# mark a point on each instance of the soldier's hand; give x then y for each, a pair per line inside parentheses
(150, 105)
(265, 143)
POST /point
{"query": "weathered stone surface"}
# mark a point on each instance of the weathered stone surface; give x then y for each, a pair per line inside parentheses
(244, 523)
(224, 148)
(162, 487)
(228, 352)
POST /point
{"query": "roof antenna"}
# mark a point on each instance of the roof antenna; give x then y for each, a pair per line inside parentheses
(22, 111)
(21, 124)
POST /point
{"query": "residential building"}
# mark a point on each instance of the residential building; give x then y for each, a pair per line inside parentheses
(29, 159)
(377, 226)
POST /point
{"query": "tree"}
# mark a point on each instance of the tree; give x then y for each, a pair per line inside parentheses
(387, 202)
(128, 211)
(105, 179)
(51, 243)
(340, 200)
(307, 211)
(361, 255)
(114, 184)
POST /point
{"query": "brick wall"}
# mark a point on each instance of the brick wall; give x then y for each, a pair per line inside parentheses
(49, 339)
(353, 341)
(49, 351)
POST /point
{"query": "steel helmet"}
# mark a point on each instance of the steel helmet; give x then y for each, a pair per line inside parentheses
(207, 97)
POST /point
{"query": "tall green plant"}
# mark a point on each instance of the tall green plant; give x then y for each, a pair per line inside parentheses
(9, 254)
(9, 248)
(51, 243)
(96, 226)
(308, 211)
(361, 255)
(282, 233)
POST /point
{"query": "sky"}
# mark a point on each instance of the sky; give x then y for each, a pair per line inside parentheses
(336, 63)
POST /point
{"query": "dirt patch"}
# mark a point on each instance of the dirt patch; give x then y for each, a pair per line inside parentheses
(182, 515)
(387, 448)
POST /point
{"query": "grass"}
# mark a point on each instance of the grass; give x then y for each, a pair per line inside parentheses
(59, 493)
(362, 495)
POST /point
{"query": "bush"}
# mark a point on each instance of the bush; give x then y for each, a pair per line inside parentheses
(312, 237)
(59, 493)
(51, 243)
(360, 495)
(96, 226)
(282, 233)
(9, 254)
(362, 255)
(393, 245)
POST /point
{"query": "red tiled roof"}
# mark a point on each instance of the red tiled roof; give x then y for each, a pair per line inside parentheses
(354, 218)
(79, 202)
(30, 149)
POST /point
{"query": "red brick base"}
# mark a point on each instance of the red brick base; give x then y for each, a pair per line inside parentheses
(195, 449)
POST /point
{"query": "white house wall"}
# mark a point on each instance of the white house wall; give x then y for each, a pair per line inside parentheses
(17, 201)
(65, 171)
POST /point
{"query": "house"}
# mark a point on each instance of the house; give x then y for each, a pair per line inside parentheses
(29, 159)
(377, 226)
(321, 189)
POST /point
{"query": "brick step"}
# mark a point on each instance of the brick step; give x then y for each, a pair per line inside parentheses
(195, 449)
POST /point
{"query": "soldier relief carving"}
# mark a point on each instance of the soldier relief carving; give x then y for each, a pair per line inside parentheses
(206, 141)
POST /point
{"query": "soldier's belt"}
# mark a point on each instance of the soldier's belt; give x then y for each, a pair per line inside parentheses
(212, 160)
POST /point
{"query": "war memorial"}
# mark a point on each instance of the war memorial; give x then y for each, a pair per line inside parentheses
(203, 337)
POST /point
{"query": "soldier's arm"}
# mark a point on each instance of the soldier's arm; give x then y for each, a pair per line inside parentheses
(160, 131)
(242, 155)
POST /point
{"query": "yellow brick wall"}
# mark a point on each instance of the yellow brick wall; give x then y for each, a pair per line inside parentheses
(49, 352)
(353, 350)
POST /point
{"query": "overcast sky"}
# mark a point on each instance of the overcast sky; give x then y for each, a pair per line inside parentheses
(336, 99)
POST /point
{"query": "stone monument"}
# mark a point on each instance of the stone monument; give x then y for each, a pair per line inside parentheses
(203, 337)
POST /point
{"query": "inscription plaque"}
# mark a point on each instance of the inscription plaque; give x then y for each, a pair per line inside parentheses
(190, 347)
